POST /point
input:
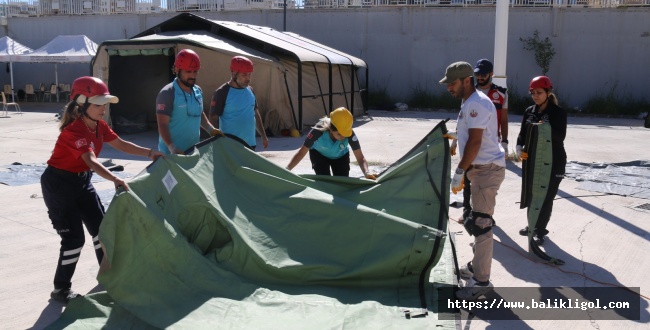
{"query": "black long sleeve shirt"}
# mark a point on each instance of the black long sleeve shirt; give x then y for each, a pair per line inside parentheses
(557, 118)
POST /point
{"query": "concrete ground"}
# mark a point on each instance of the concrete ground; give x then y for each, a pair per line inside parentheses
(602, 238)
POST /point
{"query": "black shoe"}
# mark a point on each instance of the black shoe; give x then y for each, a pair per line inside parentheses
(467, 212)
(524, 232)
(466, 272)
(64, 295)
(539, 240)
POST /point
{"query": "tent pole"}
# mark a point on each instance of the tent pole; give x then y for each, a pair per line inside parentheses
(11, 74)
(352, 72)
(56, 81)
(365, 97)
(329, 73)
(299, 95)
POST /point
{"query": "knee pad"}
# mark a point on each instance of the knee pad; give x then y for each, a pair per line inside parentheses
(472, 228)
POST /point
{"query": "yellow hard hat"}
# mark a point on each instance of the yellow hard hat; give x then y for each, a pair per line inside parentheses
(342, 119)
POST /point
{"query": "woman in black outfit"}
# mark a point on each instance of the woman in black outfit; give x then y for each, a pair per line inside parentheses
(546, 109)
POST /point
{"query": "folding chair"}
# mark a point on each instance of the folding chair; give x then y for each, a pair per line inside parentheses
(6, 104)
(64, 90)
(52, 92)
(8, 91)
(29, 92)
(41, 93)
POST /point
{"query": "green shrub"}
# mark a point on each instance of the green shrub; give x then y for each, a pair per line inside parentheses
(517, 103)
(542, 48)
(614, 105)
(378, 98)
(422, 98)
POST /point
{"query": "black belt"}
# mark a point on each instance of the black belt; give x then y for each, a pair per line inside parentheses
(68, 173)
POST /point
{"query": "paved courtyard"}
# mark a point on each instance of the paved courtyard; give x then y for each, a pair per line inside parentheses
(603, 238)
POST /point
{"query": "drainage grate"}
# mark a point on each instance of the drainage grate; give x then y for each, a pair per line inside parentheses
(644, 207)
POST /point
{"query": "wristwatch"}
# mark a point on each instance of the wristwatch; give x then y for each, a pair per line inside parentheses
(460, 170)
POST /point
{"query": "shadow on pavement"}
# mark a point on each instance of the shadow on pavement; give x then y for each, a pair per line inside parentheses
(533, 270)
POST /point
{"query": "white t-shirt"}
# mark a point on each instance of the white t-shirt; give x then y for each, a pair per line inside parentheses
(478, 111)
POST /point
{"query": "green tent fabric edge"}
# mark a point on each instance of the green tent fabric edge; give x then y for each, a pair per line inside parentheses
(432, 151)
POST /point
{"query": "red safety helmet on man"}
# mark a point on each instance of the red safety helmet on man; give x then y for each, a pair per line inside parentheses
(541, 82)
(187, 60)
(241, 64)
(91, 90)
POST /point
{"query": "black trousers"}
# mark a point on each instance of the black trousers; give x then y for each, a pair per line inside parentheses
(71, 202)
(322, 164)
(547, 207)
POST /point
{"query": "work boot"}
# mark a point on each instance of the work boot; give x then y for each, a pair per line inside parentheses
(466, 271)
(539, 239)
(63, 295)
(474, 289)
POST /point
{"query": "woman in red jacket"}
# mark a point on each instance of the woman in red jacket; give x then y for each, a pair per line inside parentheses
(69, 194)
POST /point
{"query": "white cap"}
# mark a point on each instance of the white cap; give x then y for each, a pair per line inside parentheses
(98, 99)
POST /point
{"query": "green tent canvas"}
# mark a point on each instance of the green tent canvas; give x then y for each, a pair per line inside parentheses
(536, 175)
(221, 238)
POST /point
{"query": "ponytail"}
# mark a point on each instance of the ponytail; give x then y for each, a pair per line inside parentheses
(553, 98)
(71, 112)
(324, 124)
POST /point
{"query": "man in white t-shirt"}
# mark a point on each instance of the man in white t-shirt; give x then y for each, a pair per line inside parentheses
(483, 72)
(483, 158)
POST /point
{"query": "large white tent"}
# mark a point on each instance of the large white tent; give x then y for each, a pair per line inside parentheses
(62, 49)
(9, 48)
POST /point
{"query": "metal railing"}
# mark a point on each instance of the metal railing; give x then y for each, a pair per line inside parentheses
(25, 8)
(14, 8)
(314, 4)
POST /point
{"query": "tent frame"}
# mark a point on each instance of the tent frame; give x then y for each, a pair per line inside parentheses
(56, 52)
(273, 46)
(12, 46)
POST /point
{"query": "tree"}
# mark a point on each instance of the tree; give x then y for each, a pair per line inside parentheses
(543, 50)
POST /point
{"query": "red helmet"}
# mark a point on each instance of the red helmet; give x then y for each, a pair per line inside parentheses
(241, 64)
(187, 60)
(541, 82)
(91, 90)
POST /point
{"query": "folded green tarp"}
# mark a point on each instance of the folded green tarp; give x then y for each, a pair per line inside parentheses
(222, 238)
(535, 178)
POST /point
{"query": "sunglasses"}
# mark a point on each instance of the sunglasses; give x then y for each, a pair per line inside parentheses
(187, 108)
